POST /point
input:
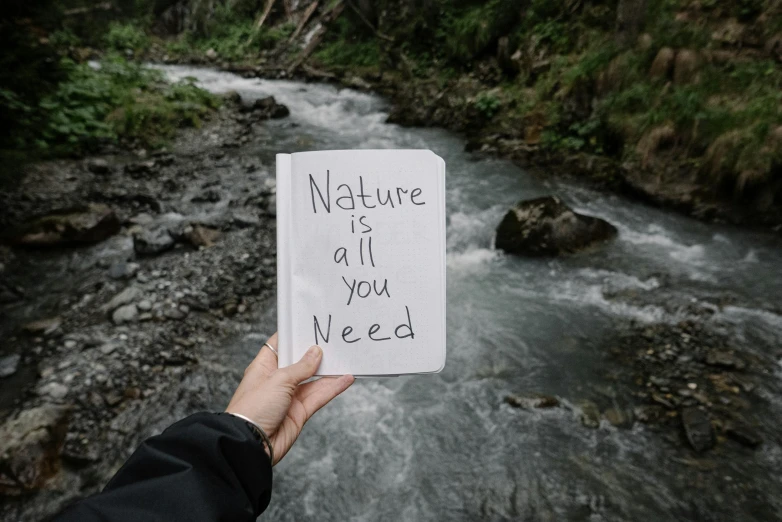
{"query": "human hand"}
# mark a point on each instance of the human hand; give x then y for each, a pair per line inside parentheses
(274, 399)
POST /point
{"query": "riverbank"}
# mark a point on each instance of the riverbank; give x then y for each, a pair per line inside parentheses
(106, 344)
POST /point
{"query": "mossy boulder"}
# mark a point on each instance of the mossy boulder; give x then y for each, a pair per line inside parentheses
(547, 227)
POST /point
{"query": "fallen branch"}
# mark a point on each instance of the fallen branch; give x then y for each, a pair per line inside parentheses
(304, 20)
(261, 20)
(327, 18)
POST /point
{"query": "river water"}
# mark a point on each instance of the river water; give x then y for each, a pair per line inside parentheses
(446, 447)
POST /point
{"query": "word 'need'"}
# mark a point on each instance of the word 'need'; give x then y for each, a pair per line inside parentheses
(374, 333)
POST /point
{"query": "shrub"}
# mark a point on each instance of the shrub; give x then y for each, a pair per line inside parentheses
(119, 99)
(126, 37)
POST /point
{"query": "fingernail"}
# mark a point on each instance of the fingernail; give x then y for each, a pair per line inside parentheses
(314, 352)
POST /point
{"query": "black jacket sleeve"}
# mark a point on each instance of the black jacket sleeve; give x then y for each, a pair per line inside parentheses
(210, 467)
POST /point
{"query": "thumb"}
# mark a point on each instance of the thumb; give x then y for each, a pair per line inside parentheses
(305, 368)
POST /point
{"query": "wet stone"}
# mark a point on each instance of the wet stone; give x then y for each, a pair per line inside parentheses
(98, 166)
(9, 364)
(125, 297)
(55, 390)
(725, 359)
(174, 313)
(532, 401)
(123, 270)
(125, 314)
(153, 242)
(590, 414)
(744, 435)
(43, 326)
(698, 428)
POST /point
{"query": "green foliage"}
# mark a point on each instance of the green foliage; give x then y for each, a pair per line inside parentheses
(234, 37)
(466, 31)
(64, 39)
(487, 104)
(680, 35)
(342, 54)
(347, 48)
(123, 37)
(589, 64)
(117, 100)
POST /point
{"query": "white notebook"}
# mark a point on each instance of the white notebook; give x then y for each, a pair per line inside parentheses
(361, 260)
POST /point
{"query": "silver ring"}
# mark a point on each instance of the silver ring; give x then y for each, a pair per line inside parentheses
(270, 347)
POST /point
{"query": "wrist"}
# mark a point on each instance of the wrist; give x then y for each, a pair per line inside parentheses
(256, 428)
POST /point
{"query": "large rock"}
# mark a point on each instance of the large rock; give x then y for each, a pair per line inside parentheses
(267, 108)
(547, 227)
(88, 224)
(30, 446)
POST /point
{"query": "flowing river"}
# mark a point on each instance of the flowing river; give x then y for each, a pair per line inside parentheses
(446, 447)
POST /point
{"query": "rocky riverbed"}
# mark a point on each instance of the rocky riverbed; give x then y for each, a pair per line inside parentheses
(146, 281)
(103, 341)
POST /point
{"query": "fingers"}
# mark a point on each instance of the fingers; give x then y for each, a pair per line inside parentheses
(265, 362)
(315, 395)
(304, 369)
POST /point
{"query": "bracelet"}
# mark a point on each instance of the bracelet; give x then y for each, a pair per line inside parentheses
(257, 429)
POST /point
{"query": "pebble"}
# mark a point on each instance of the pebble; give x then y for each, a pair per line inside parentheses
(123, 270)
(153, 242)
(144, 305)
(697, 427)
(108, 348)
(9, 364)
(125, 314)
(54, 390)
(174, 313)
(98, 166)
(43, 326)
(125, 297)
(70, 344)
